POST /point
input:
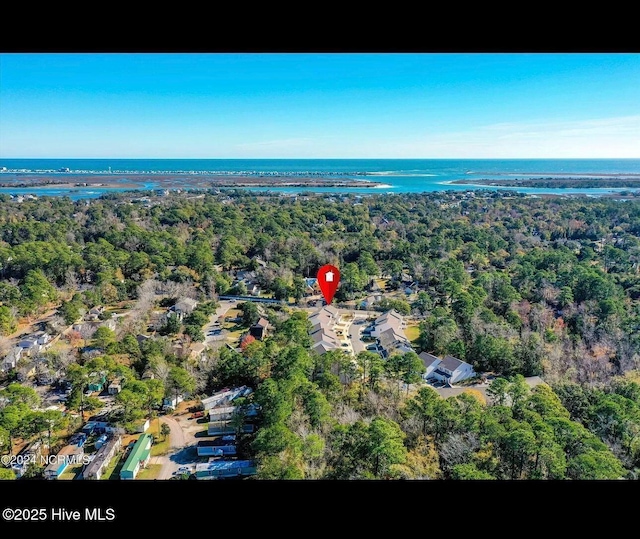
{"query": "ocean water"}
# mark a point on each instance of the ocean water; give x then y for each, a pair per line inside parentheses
(397, 175)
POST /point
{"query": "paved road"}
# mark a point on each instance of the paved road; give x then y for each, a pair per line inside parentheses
(183, 440)
(177, 441)
(355, 334)
(211, 333)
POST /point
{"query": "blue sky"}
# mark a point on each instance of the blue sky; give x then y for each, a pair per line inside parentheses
(320, 105)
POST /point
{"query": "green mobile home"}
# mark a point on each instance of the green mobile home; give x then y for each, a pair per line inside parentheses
(138, 457)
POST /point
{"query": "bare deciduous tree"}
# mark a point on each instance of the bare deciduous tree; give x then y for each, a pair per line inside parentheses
(458, 448)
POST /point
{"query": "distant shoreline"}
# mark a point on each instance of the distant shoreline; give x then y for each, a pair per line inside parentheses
(176, 181)
(564, 181)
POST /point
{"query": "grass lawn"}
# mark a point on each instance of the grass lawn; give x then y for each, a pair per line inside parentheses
(234, 336)
(412, 333)
(233, 313)
(161, 445)
(71, 472)
(112, 471)
(150, 472)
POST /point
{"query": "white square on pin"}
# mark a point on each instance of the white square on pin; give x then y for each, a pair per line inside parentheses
(329, 277)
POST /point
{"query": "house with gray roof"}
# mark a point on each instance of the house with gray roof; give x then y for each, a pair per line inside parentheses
(95, 468)
(11, 359)
(451, 370)
(183, 307)
(322, 330)
(390, 319)
(390, 342)
(430, 363)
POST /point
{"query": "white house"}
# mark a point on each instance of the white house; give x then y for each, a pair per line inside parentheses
(322, 329)
(430, 363)
(114, 387)
(34, 343)
(183, 307)
(391, 341)
(225, 396)
(452, 370)
(389, 320)
(11, 359)
(172, 402)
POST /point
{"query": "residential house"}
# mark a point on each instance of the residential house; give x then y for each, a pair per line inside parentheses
(225, 396)
(142, 338)
(11, 359)
(245, 276)
(311, 287)
(246, 340)
(390, 341)
(323, 347)
(222, 413)
(430, 363)
(370, 300)
(389, 320)
(450, 370)
(219, 428)
(95, 426)
(69, 454)
(220, 446)
(95, 468)
(100, 424)
(184, 307)
(260, 328)
(94, 313)
(327, 335)
(30, 454)
(98, 381)
(322, 330)
(138, 457)
(114, 387)
(406, 279)
(254, 290)
(142, 425)
(172, 402)
(388, 329)
(32, 344)
(216, 468)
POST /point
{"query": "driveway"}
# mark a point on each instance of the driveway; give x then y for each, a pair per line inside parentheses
(212, 331)
(176, 442)
(183, 442)
(355, 334)
(445, 392)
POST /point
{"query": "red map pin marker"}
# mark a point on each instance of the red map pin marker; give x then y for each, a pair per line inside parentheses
(328, 279)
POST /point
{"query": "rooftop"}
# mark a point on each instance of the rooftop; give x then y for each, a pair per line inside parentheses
(451, 363)
(139, 451)
(428, 359)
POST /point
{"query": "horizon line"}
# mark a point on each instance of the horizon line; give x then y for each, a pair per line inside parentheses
(326, 158)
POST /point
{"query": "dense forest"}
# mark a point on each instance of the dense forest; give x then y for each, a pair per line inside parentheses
(515, 285)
